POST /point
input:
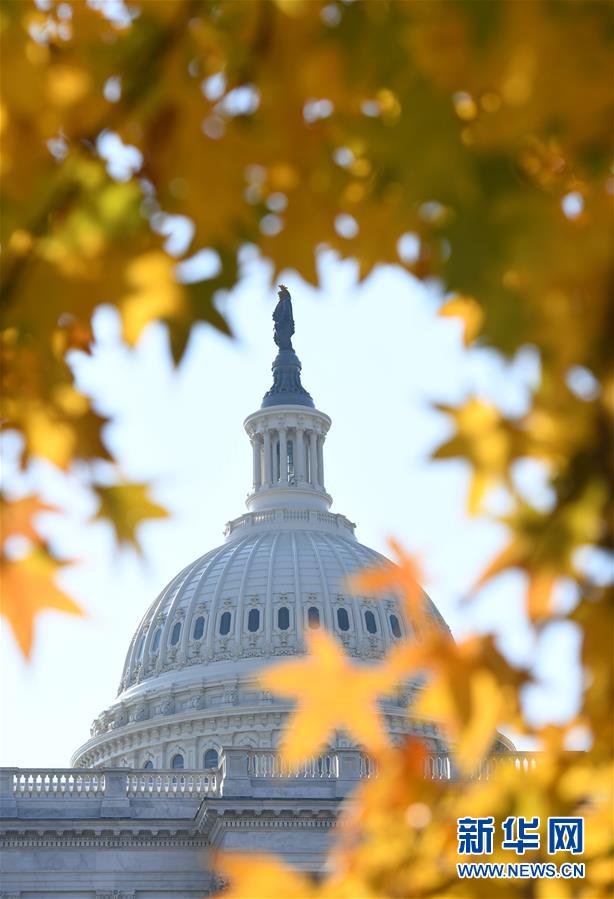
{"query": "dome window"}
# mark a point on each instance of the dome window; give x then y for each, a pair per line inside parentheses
(343, 620)
(283, 619)
(199, 628)
(395, 627)
(225, 624)
(253, 620)
(176, 633)
(370, 622)
(177, 761)
(148, 764)
(155, 646)
(211, 759)
(313, 617)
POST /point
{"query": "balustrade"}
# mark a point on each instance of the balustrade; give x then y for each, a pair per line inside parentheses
(99, 783)
(269, 764)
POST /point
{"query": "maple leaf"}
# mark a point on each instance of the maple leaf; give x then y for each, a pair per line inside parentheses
(28, 589)
(331, 693)
(402, 577)
(470, 690)
(16, 517)
(126, 506)
(261, 876)
(486, 440)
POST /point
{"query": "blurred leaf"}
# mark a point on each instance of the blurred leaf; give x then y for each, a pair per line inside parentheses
(28, 588)
(126, 506)
(319, 711)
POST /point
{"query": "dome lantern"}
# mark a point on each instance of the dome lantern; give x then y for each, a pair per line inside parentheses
(287, 433)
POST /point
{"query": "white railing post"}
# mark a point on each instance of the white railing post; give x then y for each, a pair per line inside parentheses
(236, 779)
(116, 803)
(8, 805)
(350, 766)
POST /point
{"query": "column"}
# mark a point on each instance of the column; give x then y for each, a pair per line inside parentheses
(299, 455)
(268, 474)
(321, 460)
(256, 459)
(313, 459)
(283, 456)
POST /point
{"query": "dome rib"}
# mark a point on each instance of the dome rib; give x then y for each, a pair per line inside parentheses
(241, 592)
(218, 589)
(268, 605)
(300, 640)
(325, 591)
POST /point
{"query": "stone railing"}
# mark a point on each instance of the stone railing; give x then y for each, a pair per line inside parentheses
(441, 765)
(58, 783)
(153, 784)
(237, 770)
(309, 517)
(105, 783)
(269, 764)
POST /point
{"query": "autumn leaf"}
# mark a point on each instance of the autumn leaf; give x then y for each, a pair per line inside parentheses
(470, 690)
(469, 311)
(402, 577)
(28, 589)
(486, 440)
(126, 506)
(322, 709)
(17, 517)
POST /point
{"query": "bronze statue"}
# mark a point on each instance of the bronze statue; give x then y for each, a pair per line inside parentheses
(284, 322)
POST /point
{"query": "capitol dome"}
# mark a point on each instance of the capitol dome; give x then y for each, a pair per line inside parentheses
(189, 686)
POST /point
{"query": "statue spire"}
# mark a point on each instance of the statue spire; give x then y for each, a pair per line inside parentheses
(287, 388)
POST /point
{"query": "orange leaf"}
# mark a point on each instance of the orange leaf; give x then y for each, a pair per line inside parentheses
(331, 692)
(16, 517)
(28, 589)
(402, 577)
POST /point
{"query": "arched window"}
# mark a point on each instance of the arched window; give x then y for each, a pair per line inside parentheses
(343, 620)
(313, 617)
(283, 619)
(141, 647)
(199, 628)
(148, 764)
(225, 624)
(370, 622)
(253, 620)
(177, 761)
(395, 627)
(211, 759)
(155, 646)
(175, 633)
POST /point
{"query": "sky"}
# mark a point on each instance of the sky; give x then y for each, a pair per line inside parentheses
(375, 358)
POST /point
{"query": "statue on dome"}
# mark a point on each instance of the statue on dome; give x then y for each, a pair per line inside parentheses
(284, 322)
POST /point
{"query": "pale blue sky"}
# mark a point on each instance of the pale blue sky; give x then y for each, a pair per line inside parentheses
(374, 356)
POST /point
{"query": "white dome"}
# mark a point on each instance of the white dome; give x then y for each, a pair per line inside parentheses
(189, 684)
(253, 598)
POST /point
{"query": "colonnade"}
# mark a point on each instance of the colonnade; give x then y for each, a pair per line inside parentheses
(288, 456)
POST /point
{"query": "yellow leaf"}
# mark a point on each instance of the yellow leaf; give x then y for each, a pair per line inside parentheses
(331, 693)
(28, 589)
(155, 293)
(126, 506)
(469, 311)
